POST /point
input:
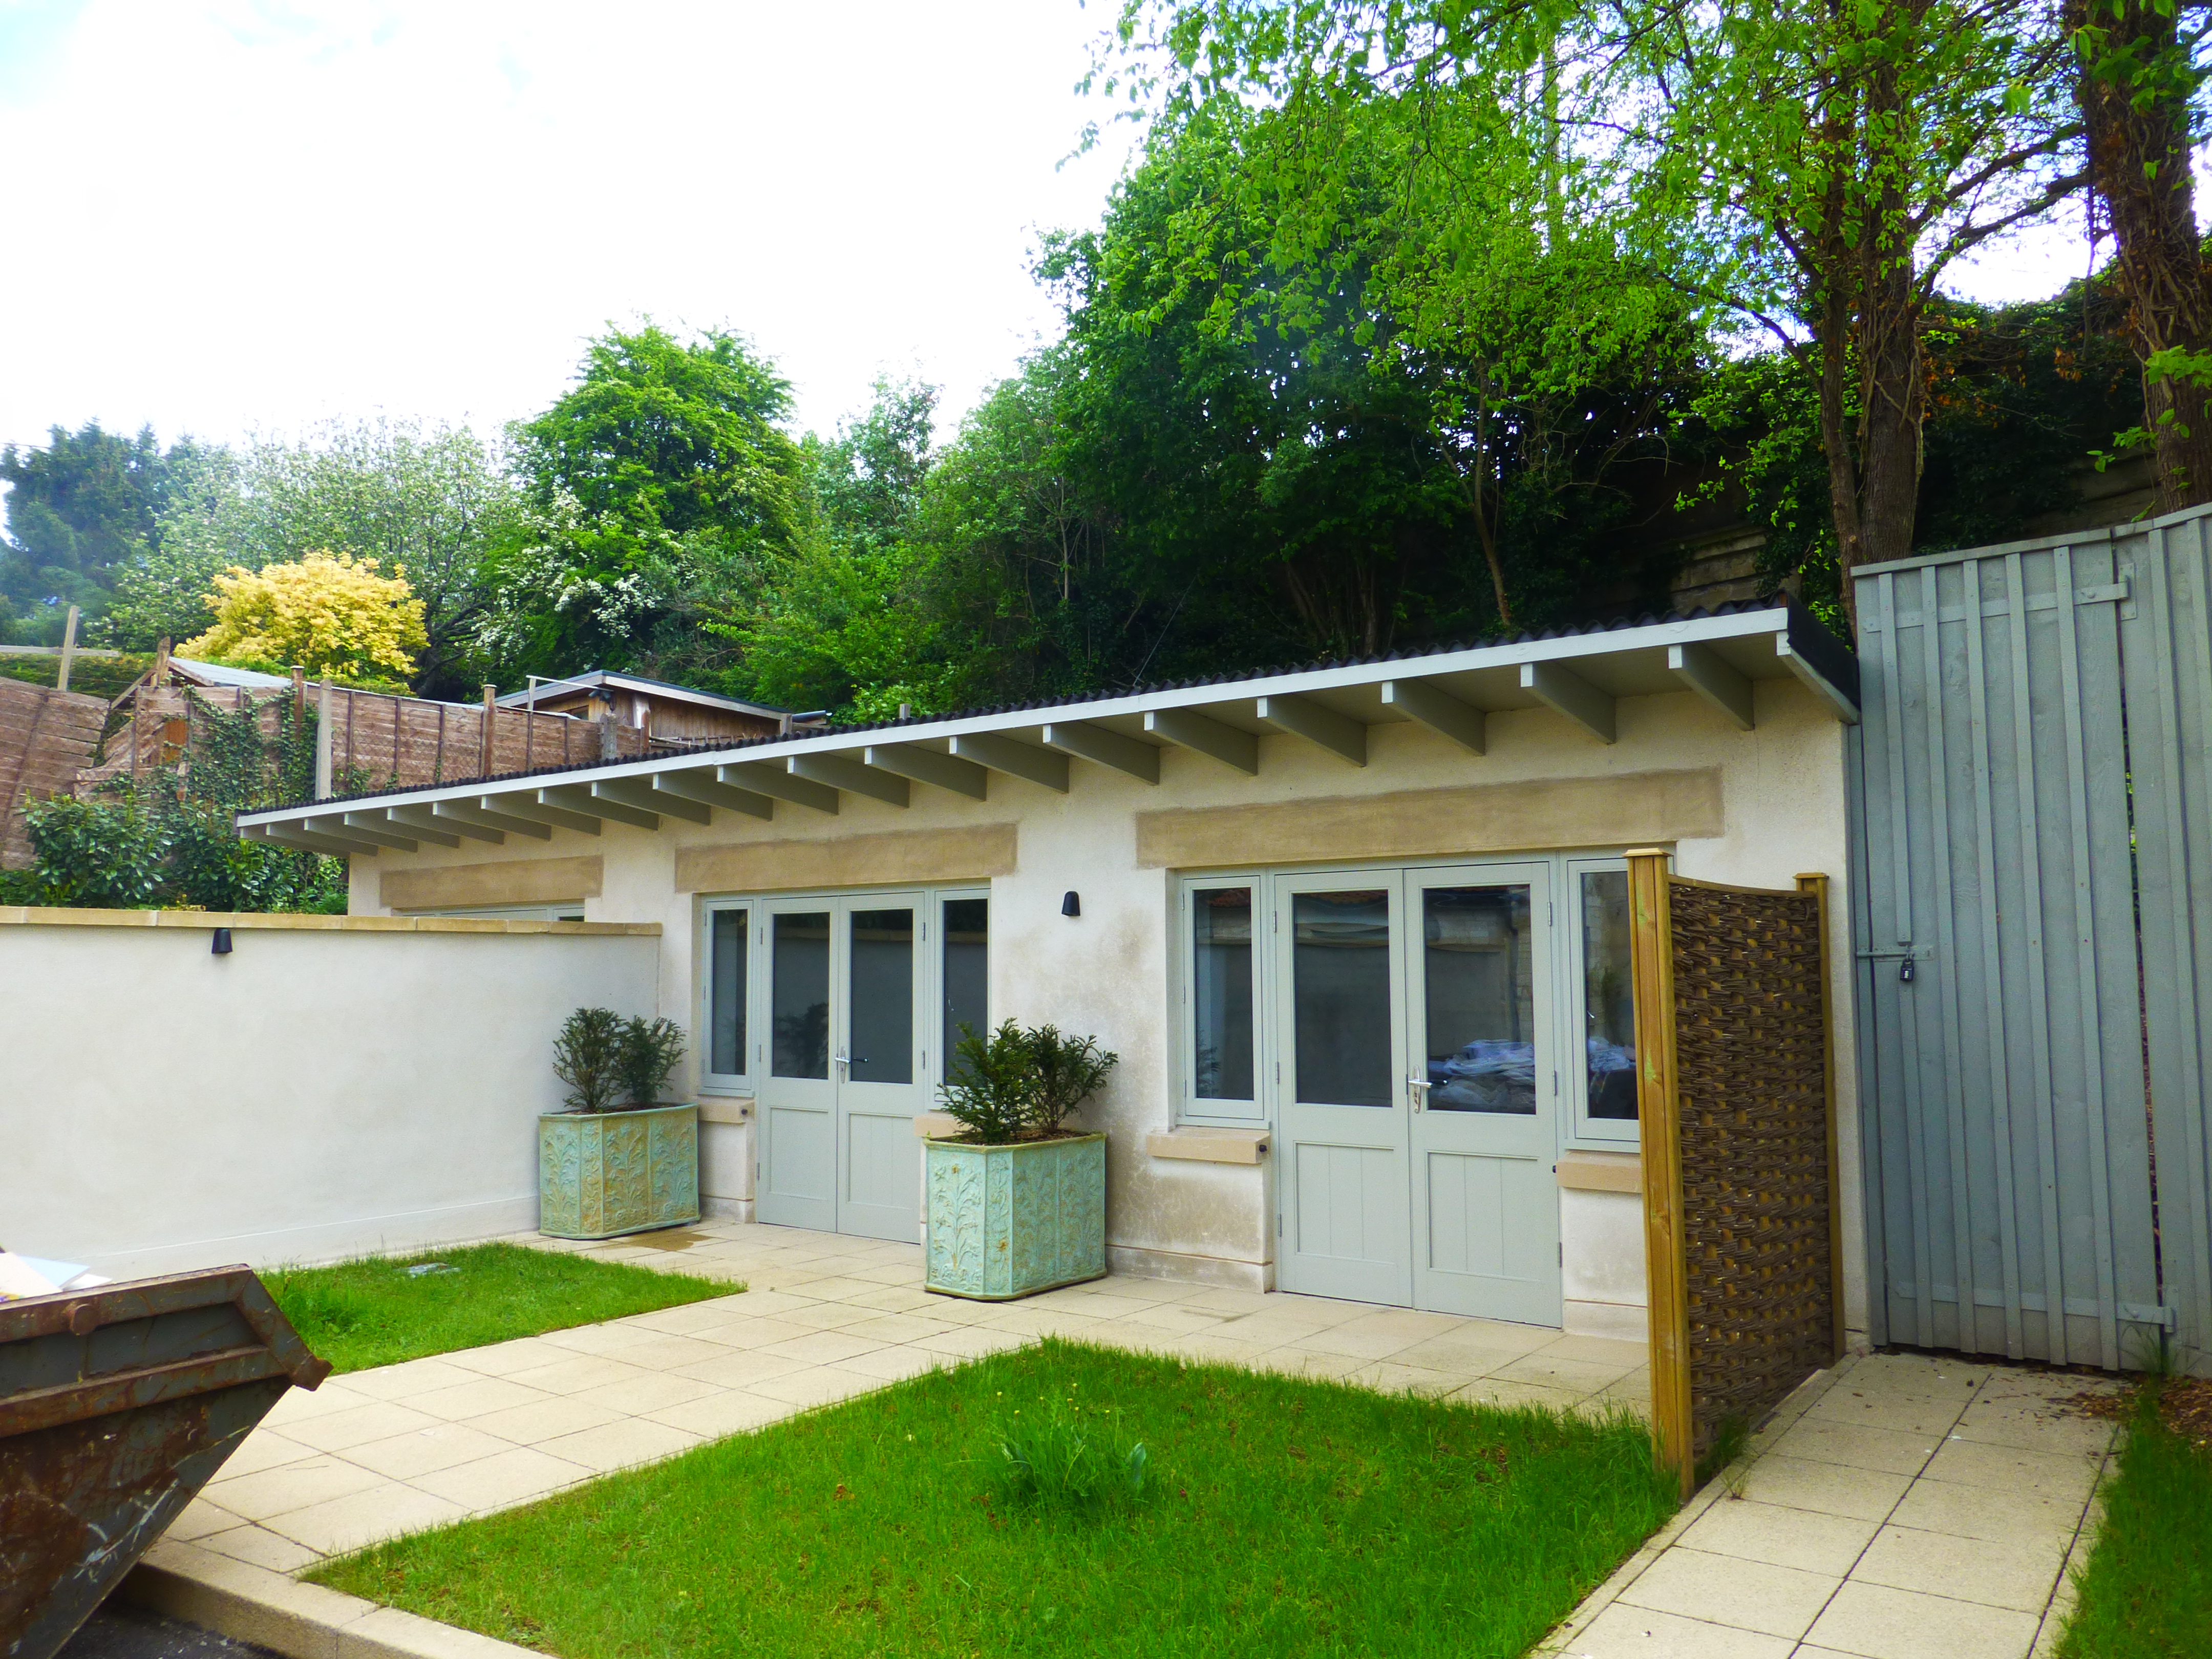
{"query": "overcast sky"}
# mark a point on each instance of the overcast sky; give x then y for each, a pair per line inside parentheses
(231, 216)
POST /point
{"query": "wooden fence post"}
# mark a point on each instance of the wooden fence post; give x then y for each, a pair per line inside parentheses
(1817, 886)
(1658, 1108)
(490, 704)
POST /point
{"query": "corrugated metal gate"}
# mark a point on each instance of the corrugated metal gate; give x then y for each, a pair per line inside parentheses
(2030, 780)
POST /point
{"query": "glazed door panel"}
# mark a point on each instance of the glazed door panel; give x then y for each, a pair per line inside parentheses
(797, 1184)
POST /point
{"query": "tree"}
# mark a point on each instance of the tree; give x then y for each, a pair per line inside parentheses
(328, 613)
(79, 511)
(433, 502)
(2136, 73)
(1816, 168)
(655, 491)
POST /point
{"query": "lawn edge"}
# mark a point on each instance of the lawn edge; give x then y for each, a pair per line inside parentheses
(1794, 1405)
(291, 1617)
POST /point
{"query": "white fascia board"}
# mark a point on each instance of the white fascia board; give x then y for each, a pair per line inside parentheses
(1772, 622)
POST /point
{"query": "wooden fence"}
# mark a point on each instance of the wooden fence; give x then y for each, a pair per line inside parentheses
(1735, 1094)
(44, 736)
(377, 740)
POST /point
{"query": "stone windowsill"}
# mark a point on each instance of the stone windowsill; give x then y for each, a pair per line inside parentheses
(1601, 1172)
(1210, 1146)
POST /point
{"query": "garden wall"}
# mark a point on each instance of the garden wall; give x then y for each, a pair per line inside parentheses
(333, 1085)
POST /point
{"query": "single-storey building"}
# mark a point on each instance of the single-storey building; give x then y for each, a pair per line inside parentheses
(1358, 932)
(667, 714)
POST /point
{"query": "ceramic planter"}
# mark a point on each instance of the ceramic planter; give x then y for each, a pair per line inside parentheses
(601, 1173)
(1010, 1221)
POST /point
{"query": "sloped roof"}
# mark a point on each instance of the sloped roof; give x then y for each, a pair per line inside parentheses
(1578, 673)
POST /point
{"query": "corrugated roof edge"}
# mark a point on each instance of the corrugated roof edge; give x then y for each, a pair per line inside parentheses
(1828, 655)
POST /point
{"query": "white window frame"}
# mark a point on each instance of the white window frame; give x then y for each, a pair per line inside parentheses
(929, 978)
(1190, 1107)
(725, 1083)
(1584, 1132)
(1576, 1130)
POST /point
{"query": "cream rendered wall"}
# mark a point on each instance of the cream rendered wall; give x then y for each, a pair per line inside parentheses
(312, 1095)
(1107, 971)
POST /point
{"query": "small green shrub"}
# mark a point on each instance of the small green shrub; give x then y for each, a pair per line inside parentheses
(1064, 1458)
(650, 1051)
(1020, 1083)
(588, 1056)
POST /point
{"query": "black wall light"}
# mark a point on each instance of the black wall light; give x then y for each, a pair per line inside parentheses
(1071, 904)
(221, 946)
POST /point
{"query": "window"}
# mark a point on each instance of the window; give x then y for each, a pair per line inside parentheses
(1221, 992)
(965, 931)
(1607, 997)
(727, 1063)
(798, 994)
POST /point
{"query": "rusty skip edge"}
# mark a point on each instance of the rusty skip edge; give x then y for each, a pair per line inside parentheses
(279, 1352)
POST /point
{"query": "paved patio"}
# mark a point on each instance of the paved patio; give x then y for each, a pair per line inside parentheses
(375, 1454)
(1902, 1506)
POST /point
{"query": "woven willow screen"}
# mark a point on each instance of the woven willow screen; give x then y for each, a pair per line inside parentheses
(1740, 1226)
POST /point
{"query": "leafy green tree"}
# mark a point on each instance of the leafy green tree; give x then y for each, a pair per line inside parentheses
(431, 504)
(1815, 168)
(655, 491)
(836, 624)
(2139, 71)
(79, 510)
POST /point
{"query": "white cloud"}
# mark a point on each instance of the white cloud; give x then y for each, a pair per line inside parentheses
(232, 215)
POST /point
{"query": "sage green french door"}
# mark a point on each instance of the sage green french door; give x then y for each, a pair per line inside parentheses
(1482, 1094)
(1418, 1092)
(847, 1063)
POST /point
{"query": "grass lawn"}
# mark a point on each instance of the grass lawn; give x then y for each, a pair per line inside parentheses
(374, 1312)
(1278, 1517)
(2146, 1592)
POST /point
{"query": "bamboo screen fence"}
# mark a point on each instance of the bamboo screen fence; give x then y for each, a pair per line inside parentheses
(1736, 1092)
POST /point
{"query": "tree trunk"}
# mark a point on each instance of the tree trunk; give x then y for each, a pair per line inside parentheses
(2131, 84)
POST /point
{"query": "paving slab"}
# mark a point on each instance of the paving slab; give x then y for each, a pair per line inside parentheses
(1863, 1525)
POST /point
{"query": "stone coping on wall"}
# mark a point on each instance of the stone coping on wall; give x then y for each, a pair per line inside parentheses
(17, 915)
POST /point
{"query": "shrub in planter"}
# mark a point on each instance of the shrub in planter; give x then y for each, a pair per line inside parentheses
(616, 1161)
(1017, 1202)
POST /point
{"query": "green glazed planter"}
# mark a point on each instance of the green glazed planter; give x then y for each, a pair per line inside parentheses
(1010, 1221)
(602, 1174)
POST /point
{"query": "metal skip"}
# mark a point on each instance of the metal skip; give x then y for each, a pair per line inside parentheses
(115, 1406)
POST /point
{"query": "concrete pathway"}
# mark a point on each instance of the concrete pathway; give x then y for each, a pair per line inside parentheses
(1898, 1507)
(375, 1454)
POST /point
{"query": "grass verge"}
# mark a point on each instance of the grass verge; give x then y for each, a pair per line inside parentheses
(1278, 1516)
(2147, 1590)
(374, 1312)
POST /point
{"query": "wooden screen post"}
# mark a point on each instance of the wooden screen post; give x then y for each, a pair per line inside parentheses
(1658, 1111)
(490, 696)
(1817, 885)
(68, 651)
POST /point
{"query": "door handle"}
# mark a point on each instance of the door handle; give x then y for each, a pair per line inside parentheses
(844, 1067)
(1418, 1089)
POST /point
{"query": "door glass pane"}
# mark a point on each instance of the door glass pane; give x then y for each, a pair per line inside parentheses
(1341, 995)
(967, 928)
(726, 993)
(1221, 992)
(1609, 995)
(881, 967)
(1478, 979)
(800, 993)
